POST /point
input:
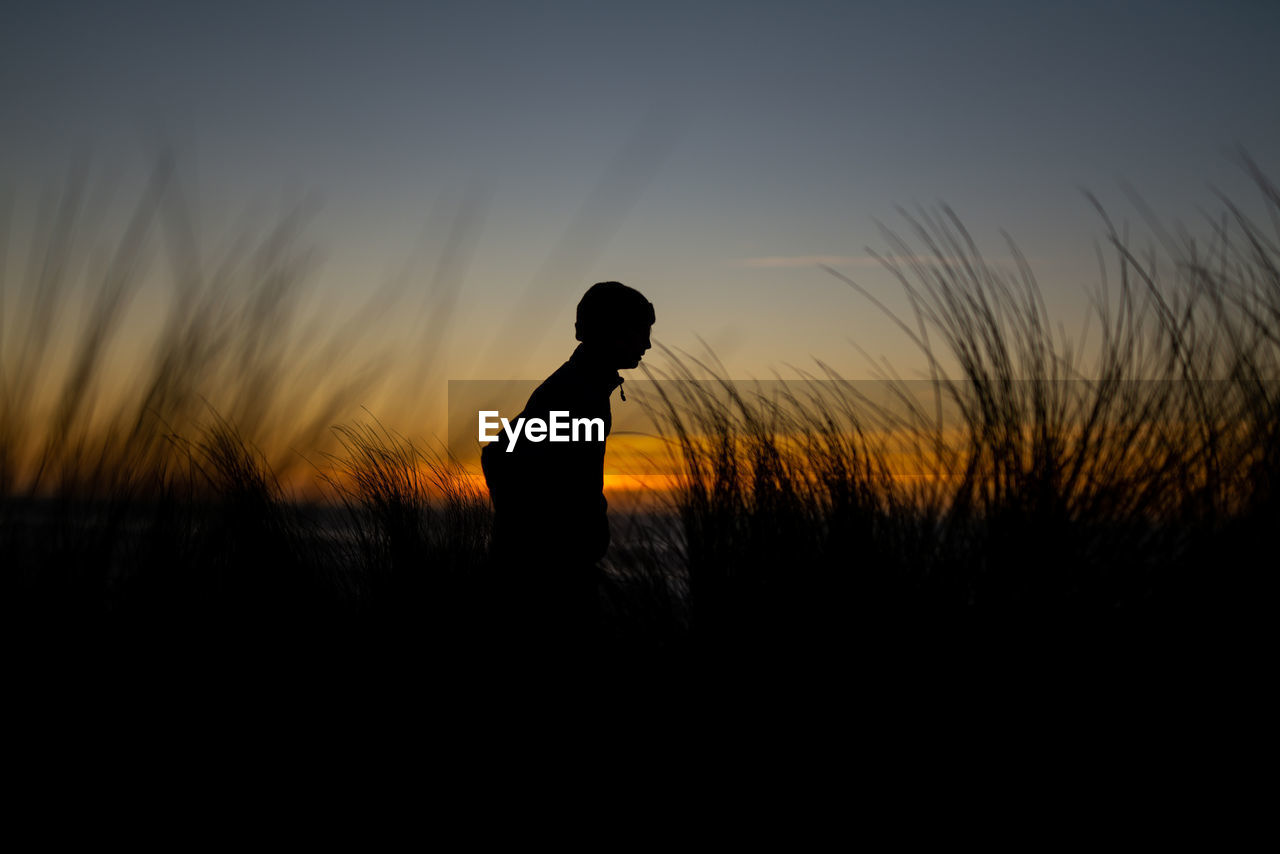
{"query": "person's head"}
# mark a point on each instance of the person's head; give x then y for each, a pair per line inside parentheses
(614, 322)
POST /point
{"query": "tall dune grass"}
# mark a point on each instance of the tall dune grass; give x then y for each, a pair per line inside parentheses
(1137, 470)
(416, 528)
(167, 485)
(1134, 472)
(232, 344)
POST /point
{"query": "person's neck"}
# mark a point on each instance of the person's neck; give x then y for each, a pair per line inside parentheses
(593, 360)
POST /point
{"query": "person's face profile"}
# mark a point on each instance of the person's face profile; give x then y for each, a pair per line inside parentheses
(624, 345)
(632, 343)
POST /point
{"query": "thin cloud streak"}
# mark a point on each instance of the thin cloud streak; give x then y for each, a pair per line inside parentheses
(865, 261)
(808, 261)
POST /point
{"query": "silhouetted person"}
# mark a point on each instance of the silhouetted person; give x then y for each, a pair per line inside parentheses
(551, 527)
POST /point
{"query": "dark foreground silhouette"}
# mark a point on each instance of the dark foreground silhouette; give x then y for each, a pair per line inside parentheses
(551, 526)
(1123, 523)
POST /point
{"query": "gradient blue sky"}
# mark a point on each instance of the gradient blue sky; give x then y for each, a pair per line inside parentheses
(664, 144)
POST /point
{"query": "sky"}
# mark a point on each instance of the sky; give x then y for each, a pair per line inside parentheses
(490, 160)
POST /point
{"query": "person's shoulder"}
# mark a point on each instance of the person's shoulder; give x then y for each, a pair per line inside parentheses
(563, 386)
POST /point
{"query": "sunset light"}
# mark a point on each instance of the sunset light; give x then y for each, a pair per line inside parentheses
(403, 339)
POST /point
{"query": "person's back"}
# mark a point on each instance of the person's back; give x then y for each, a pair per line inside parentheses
(551, 526)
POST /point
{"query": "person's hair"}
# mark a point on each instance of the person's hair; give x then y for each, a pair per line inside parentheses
(607, 306)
